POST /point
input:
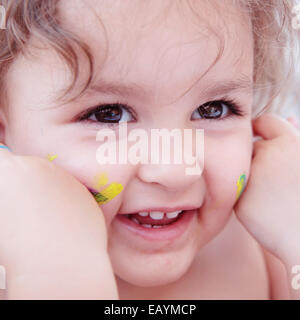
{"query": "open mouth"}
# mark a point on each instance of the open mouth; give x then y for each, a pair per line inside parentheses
(156, 225)
(155, 219)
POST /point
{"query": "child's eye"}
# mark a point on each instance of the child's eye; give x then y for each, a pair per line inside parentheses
(216, 110)
(109, 113)
(118, 112)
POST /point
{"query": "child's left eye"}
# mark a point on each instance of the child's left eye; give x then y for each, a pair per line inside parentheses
(215, 110)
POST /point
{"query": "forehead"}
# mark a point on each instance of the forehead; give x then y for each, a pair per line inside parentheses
(165, 44)
(163, 47)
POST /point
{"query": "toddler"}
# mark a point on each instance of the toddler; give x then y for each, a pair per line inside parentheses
(70, 69)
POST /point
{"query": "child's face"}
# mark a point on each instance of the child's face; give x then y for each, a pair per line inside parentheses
(165, 51)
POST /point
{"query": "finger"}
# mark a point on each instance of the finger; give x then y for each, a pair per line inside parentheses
(257, 146)
(270, 126)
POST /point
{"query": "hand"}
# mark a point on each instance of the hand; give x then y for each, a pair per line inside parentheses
(269, 208)
(52, 233)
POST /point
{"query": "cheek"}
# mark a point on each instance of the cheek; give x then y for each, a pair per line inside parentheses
(119, 176)
(226, 159)
(109, 180)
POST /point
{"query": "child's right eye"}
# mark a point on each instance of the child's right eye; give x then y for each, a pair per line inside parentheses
(109, 113)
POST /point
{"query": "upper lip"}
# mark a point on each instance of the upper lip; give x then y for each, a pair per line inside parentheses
(162, 209)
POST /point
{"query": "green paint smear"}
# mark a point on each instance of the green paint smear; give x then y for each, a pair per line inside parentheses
(241, 184)
(99, 197)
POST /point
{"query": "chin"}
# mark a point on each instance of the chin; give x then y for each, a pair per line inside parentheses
(152, 270)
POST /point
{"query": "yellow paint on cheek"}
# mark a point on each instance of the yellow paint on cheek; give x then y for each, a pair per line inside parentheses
(241, 183)
(107, 194)
(50, 157)
(111, 191)
(100, 180)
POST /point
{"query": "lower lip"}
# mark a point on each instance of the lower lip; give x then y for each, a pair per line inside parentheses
(169, 232)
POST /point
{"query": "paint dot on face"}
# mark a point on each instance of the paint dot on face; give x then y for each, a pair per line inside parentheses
(51, 157)
(100, 198)
(100, 180)
(241, 183)
(110, 192)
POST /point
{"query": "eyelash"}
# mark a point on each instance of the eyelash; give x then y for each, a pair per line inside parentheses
(232, 105)
(93, 110)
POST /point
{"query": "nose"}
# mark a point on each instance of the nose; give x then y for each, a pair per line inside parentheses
(174, 167)
(171, 177)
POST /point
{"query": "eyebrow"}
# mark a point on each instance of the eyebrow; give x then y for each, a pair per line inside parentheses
(243, 83)
(105, 87)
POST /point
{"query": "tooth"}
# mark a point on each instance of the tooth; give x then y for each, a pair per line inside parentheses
(173, 214)
(144, 213)
(135, 220)
(156, 227)
(156, 215)
(147, 225)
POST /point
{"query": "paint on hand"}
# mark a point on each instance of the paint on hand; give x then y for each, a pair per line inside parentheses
(110, 192)
(241, 183)
(50, 157)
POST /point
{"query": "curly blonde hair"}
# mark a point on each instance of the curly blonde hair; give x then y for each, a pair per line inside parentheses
(275, 44)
